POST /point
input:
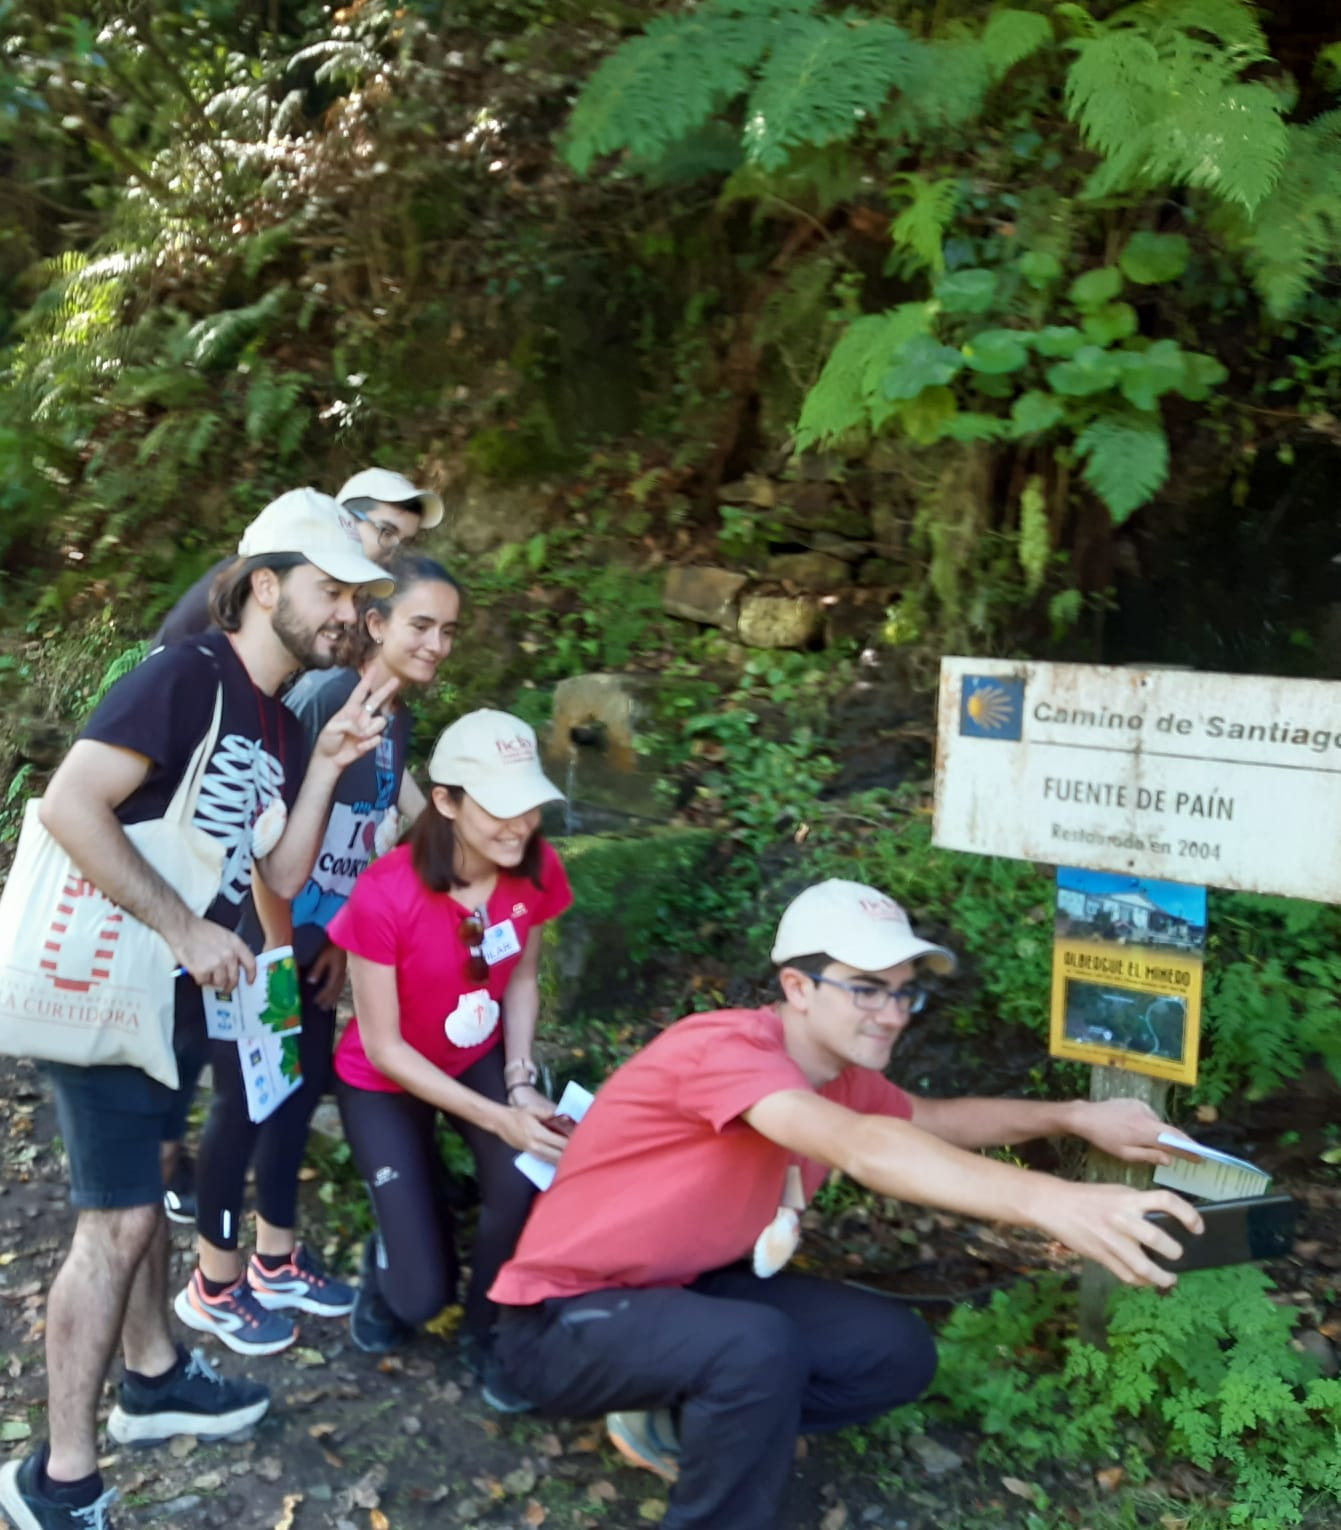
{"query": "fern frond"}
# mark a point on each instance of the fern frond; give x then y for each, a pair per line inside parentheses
(215, 339)
(1127, 459)
(848, 395)
(821, 79)
(1011, 36)
(920, 227)
(944, 87)
(1297, 230)
(659, 88)
(1157, 91)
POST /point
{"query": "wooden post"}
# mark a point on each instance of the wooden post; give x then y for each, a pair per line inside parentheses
(1096, 1284)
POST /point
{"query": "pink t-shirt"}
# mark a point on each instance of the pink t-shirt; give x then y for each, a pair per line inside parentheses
(393, 919)
(663, 1180)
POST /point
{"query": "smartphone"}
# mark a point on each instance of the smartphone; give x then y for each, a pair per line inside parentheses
(1237, 1232)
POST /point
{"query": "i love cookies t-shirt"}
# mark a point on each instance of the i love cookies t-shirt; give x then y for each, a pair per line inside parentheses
(393, 919)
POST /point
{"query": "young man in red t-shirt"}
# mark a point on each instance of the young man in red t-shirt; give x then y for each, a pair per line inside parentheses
(647, 1277)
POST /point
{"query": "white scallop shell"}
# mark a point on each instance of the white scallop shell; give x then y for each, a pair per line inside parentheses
(388, 832)
(268, 828)
(474, 1019)
(777, 1243)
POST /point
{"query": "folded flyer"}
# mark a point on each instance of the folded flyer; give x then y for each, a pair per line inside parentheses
(263, 1016)
(574, 1102)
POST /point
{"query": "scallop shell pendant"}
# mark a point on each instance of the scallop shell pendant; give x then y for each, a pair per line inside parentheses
(268, 829)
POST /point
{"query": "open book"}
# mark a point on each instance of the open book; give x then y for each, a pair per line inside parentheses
(263, 1016)
(1215, 1176)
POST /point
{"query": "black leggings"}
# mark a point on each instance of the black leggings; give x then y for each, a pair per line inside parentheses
(394, 1142)
(231, 1139)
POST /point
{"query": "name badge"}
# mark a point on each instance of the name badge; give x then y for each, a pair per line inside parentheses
(500, 941)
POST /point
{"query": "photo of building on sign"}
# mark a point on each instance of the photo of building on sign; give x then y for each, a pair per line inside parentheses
(1127, 962)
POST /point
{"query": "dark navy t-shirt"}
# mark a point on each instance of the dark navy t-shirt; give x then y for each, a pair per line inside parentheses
(163, 708)
(364, 816)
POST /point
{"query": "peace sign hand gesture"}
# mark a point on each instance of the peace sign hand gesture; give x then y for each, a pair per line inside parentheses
(356, 727)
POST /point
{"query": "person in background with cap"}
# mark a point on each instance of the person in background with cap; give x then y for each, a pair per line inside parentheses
(443, 937)
(648, 1277)
(390, 512)
(264, 797)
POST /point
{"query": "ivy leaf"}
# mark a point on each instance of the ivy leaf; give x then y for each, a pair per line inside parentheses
(1202, 374)
(1147, 375)
(1127, 459)
(1040, 268)
(995, 351)
(1150, 258)
(1095, 288)
(924, 417)
(1058, 340)
(923, 362)
(969, 291)
(1114, 321)
(1034, 412)
(1090, 370)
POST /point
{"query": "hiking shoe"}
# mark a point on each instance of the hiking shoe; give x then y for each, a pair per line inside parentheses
(301, 1285)
(21, 1497)
(179, 1196)
(647, 1440)
(198, 1400)
(234, 1317)
(499, 1392)
(373, 1327)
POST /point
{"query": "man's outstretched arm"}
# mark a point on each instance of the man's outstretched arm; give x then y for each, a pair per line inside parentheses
(1106, 1223)
(1127, 1129)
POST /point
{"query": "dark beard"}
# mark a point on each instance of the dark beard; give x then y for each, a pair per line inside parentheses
(301, 642)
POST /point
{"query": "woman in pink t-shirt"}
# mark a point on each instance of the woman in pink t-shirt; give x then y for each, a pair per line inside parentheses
(443, 937)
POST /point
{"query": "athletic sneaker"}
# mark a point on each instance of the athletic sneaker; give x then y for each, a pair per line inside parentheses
(477, 1352)
(234, 1317)
(198, 1400)
(648, 1440)
(28, 1507)
(373, 1326)
(300, 1285)
(179, 1197)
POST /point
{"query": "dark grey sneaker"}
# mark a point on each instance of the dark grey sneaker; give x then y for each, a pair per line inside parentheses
(477, 1352)
(197, 1401)
(21, 1498)
(373, 1327)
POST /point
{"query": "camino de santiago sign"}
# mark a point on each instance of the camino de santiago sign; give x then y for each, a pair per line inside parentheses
(1232, 780)
(1136, 785)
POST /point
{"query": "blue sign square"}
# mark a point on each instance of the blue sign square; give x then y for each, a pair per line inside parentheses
(991, 707)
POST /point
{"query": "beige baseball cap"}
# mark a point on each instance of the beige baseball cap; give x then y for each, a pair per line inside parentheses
(317, 528)
(855, 924)
(493, 756)
(380, 486)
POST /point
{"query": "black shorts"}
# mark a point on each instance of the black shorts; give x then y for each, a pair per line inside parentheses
(115, 1120)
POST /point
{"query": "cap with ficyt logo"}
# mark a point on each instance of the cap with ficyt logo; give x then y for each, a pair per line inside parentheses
(380, 486)
(317, 528)
(493, 757)
(855, 924)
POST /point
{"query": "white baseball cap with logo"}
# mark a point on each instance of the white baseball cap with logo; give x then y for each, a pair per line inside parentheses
(317, 528)
(380, 486)
(854, 924)
(493, 757)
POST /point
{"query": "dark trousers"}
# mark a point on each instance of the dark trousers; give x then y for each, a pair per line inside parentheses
(749, 1363)
(393, 1138)
(232, 1140)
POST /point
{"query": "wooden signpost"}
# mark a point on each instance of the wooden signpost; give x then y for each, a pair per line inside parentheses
(1141, 786)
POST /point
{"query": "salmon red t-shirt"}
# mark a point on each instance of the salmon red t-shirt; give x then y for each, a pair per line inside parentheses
(664, 1180)
(391, 918)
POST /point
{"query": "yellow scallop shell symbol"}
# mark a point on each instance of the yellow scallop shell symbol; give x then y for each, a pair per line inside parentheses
(989, 707)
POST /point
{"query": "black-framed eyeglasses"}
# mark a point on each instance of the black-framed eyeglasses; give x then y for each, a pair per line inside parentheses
(872, 997)
(388, 536)
(471, 930)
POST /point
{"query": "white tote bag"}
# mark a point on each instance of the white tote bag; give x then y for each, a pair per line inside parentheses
(81, 980)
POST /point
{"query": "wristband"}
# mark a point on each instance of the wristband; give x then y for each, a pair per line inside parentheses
(523, 1065)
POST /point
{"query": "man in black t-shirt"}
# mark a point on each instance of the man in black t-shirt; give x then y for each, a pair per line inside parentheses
(266, 801)
(390, 512)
